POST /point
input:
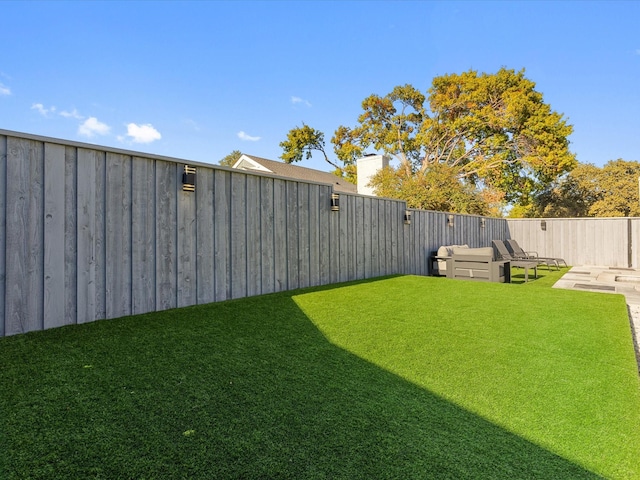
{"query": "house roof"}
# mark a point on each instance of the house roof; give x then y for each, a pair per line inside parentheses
(250, 162)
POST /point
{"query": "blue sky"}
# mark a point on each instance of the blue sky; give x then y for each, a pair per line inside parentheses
(196, 80)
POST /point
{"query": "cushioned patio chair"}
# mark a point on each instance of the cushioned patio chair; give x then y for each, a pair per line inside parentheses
(518, 252)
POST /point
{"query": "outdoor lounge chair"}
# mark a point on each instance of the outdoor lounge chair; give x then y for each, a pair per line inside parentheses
(504, 254)
(518, 252)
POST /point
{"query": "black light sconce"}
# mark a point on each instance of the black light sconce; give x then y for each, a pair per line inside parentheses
(407, 217)
(450, 220)
(483, 222)
(543, 225)
(189, 179)
(335, 202)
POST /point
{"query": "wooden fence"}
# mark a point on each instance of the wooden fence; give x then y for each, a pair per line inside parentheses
(611, 242)
(89, 233)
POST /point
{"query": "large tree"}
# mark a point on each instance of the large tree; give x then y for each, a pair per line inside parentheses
(493, 132)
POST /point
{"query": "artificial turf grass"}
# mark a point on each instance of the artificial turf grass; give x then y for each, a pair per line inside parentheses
(554, 366)
(253, 389)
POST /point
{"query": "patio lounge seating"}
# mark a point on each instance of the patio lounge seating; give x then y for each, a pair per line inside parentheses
(518, 252)
(439, 259)
(477, 264)
(504, 254)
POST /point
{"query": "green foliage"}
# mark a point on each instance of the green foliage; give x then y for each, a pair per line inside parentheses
(301, 142)
(231, 159)
(590, 191)
(437, 188)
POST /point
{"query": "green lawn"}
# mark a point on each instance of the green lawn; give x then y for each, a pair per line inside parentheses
(403, 377)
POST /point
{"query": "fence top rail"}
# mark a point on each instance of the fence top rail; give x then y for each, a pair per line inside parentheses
(119, 151)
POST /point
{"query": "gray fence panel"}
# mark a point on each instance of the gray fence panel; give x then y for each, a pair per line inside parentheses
(90, 232)
(580, 241)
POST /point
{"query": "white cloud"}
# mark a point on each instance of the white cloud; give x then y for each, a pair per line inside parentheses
(42, 110)
(92, 126)
(297, 100)
(4, 90)
(244, 136)
(142, 133)
(72, 114)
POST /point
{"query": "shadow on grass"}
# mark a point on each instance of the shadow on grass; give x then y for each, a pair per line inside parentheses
(240, 389)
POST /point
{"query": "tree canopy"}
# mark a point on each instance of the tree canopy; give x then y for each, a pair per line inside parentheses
(492, 132)
(590, 191)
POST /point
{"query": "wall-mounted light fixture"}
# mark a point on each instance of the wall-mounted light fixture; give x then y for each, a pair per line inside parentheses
(189, 179)
(450, 218)
(407, 217)
(335, 202)
(543, 225)
(483, 222)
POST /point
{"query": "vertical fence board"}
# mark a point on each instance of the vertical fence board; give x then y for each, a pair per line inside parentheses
(293, 271)
(238, 235)
(3, 232)
(54, 235)
(24, 237)
(367, 233)
(324, 234)
(314, 235)
(205, 276)
(186, 246)
(100, 254)
(303, 235)
(166, 235)
(86, 230)
(70, 235)
(254, 271)
(360, 244)
(374, 259)
(280, 227)
(345, 244)
(267, 254)
(118, 235)
(143, 234)
(222, 234)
